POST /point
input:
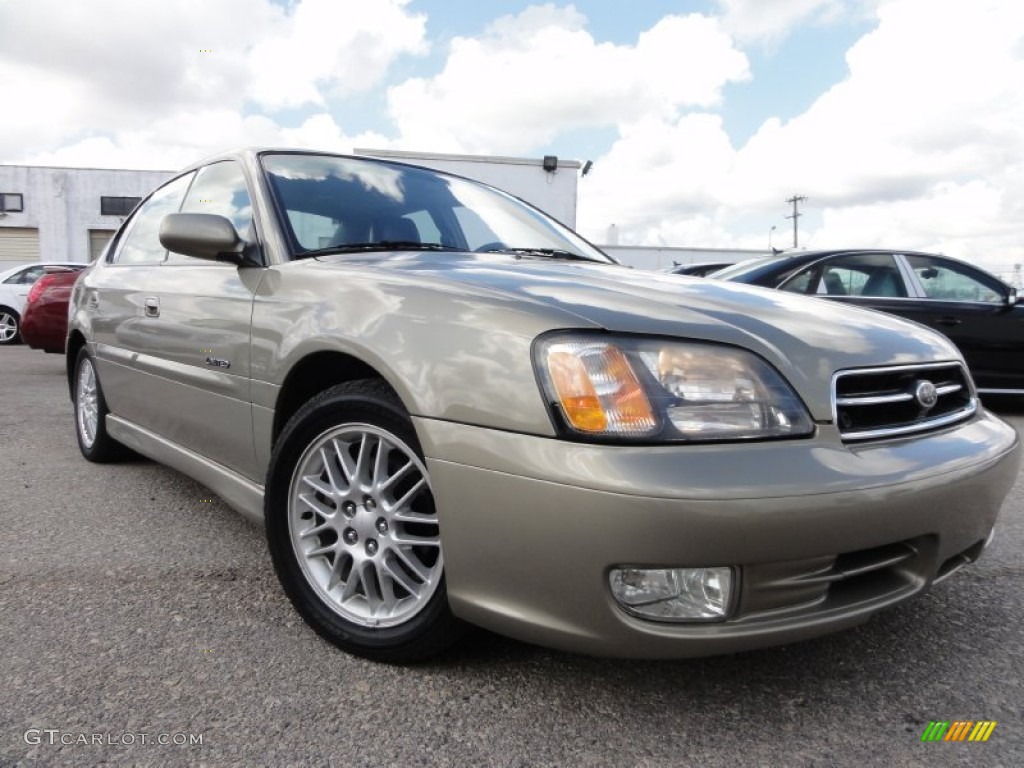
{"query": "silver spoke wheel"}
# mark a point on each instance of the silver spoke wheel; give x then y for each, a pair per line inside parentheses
(8, 326)
(363, 526)
(87, 403)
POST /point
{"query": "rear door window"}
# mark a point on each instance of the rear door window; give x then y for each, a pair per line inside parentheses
(862, 274)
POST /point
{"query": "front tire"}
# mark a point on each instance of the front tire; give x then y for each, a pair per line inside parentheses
(352, 528)
(91, 412)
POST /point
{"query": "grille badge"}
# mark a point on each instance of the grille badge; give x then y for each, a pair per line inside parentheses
(925, 394)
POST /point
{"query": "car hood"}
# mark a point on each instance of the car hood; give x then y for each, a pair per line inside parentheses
(807, 339)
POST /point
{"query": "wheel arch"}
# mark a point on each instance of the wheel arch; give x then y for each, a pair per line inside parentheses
(76, 340)
(316, 372)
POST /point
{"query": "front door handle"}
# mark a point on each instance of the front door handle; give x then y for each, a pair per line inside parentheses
(949, 320)
(152, 306)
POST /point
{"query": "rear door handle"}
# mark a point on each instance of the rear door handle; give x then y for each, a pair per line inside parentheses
(949, 320)
(152, 306)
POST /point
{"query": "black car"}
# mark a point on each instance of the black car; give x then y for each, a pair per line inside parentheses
(977, 311)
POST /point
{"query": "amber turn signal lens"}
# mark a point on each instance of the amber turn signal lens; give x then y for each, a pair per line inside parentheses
(598, 390)
(576, 392)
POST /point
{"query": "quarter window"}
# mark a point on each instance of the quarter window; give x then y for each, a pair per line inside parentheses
(949, 281)
(141, 242)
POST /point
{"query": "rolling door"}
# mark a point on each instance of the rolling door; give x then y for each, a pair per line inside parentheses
(98, 239)
(19, 244)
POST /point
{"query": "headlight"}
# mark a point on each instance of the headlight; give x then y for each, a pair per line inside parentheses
(648, 390)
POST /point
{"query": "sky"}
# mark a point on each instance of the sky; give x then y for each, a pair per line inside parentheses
(900, 121)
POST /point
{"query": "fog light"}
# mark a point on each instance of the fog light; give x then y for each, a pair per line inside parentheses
(673, 594)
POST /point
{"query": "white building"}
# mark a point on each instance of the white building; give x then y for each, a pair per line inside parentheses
(68, 214)
(65, 214)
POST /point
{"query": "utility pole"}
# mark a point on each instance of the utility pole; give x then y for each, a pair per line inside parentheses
(795, 200)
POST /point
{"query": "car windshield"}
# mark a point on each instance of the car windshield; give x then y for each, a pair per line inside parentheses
(333, 204)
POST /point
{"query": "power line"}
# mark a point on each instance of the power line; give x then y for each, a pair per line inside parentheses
(795, 200)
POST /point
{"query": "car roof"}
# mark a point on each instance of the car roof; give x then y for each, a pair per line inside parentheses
(799, 258)
(805, 257)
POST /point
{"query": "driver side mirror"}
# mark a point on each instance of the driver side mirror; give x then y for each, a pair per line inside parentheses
(203, 236)
(1011, 298)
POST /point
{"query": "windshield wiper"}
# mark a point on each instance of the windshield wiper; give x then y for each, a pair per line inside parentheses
(378, 245)
(552, 253)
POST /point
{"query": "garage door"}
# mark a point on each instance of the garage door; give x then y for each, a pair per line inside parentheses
(98, 239)
(19, 244)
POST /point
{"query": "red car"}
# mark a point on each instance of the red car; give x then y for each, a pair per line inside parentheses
(44, 324)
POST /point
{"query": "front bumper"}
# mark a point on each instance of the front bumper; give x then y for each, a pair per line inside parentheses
(823, 534)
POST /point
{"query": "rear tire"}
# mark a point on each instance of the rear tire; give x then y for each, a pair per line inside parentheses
(91, 412)
(352, 528)
(10, 327)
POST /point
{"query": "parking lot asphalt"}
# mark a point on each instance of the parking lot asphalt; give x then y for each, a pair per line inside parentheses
(136, 607)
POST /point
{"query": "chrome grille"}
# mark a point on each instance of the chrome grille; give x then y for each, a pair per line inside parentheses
(873, 403)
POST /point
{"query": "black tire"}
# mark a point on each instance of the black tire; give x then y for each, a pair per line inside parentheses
(352, 405)
(9, 317)
(103, 448)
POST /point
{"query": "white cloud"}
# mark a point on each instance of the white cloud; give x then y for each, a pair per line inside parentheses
(532, 76)
(118, 70)
(657, 175)
(196, 135)
(343, 46)
(768, 22)
(921, 146)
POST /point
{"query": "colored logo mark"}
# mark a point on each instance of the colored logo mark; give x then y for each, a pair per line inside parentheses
(958, 730)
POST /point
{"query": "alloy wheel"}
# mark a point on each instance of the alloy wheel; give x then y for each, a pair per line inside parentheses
(8, 327)
(363, 525)
(87, 403)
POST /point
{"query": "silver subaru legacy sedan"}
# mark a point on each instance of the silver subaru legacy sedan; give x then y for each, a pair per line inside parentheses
(448, 409)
